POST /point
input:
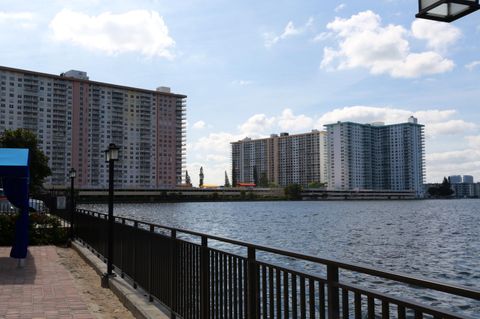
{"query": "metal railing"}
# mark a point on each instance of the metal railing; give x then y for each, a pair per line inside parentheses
(195, 280)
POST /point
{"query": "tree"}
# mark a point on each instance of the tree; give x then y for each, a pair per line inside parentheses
(227, 181)
(316, 185)
(263, 182)
(442, 190)
(293, 191)
(255, 176)
(188, 181)
(200, 184)
(38, 161)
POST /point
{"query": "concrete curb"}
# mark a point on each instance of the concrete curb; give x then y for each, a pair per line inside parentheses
(133, 299)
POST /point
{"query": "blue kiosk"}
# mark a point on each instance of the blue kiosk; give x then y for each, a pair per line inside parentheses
(14, 172)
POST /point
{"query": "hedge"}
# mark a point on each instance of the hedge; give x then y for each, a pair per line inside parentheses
(43, 230)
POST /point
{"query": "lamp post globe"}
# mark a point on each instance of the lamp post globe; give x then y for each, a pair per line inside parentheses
(446, 10)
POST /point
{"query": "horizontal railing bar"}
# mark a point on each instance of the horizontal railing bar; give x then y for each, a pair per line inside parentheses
(399, 277)
(294, 272)
(410, 304)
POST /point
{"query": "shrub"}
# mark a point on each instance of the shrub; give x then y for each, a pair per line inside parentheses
(43, 230)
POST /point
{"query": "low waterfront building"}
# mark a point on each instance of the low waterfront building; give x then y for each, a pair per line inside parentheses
(75, 119)
(376, 156)
(280, 159)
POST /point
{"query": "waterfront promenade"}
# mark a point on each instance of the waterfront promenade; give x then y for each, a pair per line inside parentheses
(53, 284)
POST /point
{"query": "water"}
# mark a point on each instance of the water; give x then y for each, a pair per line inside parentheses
(438, 239)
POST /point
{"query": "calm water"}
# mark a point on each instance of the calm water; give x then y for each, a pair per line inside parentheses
(437, 239)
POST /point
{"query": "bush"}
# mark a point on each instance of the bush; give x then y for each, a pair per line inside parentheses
(43, 230)
(293, 191)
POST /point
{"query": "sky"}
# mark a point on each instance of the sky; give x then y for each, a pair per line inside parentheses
(252, 68)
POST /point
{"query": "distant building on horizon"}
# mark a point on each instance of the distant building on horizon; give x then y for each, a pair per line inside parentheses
(463, 186)
(376, 156)
(75, 119)
(281, 159)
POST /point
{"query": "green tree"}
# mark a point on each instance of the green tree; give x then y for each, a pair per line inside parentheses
(263, 180)
(38, 161)
(445, 188)
(293, 191)
(255, 176)
(227, 181)
(201, 176)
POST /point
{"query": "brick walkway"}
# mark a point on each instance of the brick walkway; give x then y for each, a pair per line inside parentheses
(42, 289)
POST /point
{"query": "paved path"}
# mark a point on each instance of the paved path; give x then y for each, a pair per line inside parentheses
(42, 289)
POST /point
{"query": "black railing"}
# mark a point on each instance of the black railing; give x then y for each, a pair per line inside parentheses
(187, 273)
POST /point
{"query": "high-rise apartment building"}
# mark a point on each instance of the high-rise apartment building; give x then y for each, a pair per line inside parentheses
(282, 160)
(376, 156)
(75, 120)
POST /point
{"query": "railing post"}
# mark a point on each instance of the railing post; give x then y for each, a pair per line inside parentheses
(150, 261)
(252, 304)
(135, 226)
(173, 277)
(204, 280)
(332, 291)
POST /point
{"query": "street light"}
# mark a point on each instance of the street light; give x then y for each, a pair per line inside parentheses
(446, 10)
(111, 155)
(72, 175)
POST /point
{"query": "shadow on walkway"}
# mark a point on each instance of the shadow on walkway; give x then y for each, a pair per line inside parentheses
(11, 274)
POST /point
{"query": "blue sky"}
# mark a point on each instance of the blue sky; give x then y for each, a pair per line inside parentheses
(251, 68)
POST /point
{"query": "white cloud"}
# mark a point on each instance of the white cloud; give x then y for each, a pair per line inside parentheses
(139, 31)
(25, 20)
(364, 42)
(242, 82)
(340, 7)
(256, 125)
(288, 121)
(456, 162)
(289, 31)
(199, 125)
(472, 65)
(474, 141)
(322, 37)
(438, 35)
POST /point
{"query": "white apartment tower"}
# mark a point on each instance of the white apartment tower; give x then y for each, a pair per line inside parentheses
(376, 156)
(281, 159)
(75, 119)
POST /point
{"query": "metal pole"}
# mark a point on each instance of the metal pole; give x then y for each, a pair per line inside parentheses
(110, 218)
(72, 206)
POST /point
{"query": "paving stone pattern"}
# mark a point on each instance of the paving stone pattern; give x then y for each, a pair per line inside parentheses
(43, 288)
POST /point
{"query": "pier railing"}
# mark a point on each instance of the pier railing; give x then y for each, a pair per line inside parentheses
(187, 272)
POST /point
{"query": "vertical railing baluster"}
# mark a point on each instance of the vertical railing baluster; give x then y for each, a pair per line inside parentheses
(321, 288)
(135, 232)
(241, 285)
(294, 296)
(332, 291)
(264, 292)
(311, 296)
(150, 261)
(230, 290)
(270, 293)
(385, 309)
(358, 305)
(122, 250)
(286, 296)
(173, 272)
(303, 305)
(278, 288)
(418, 314)
(371, 307)
(345, 312)
(252, 285)
(204, 279)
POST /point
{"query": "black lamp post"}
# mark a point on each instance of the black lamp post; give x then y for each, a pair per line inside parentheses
(72, 175)
(111, 155)
(446, 10)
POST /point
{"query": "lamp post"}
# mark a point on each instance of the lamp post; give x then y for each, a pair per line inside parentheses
(446, 10)
(72, 175)
(111, 155)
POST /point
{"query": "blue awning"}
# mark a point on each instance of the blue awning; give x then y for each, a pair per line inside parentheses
(14, 172)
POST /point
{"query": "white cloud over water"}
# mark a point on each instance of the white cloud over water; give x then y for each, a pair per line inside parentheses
(138, 31)
(364, 42)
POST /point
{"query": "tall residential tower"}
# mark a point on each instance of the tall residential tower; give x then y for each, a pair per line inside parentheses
(75, 119)
(282, 160)
(376, 156)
